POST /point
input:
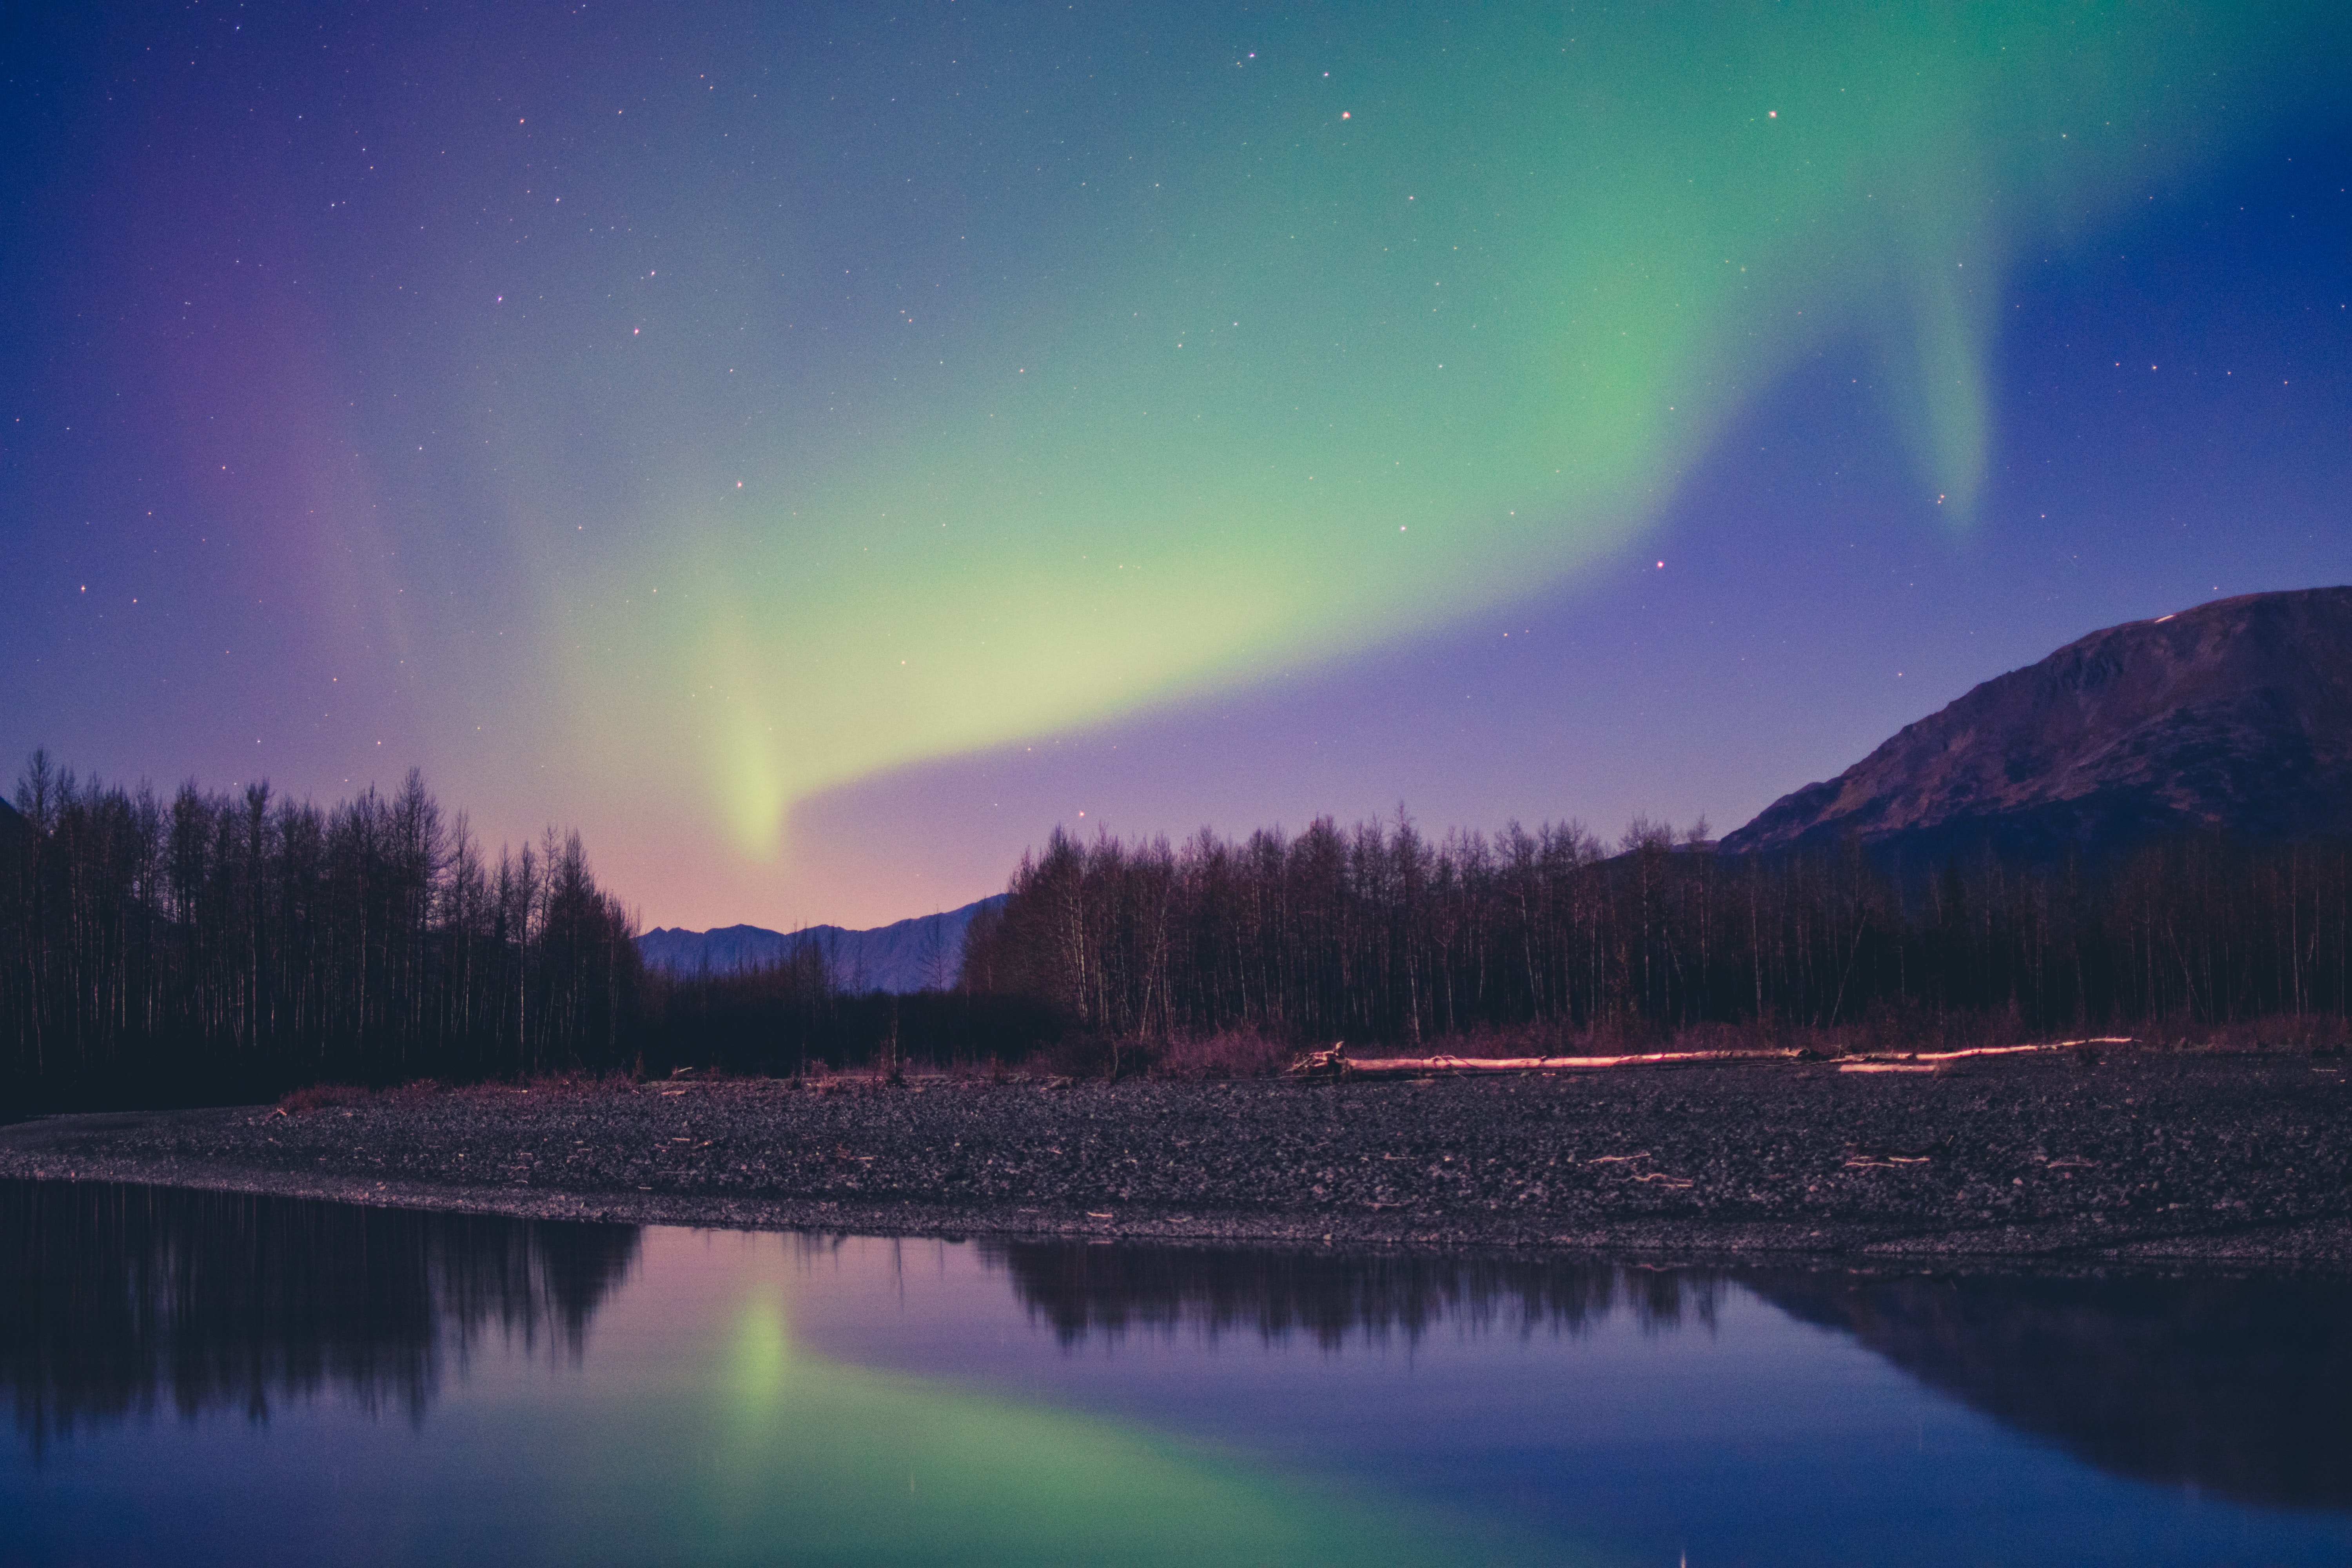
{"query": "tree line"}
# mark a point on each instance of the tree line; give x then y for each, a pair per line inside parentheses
(221, 943)
(234, 944)
(213, 941)
(795, 1016)
(1377, 933)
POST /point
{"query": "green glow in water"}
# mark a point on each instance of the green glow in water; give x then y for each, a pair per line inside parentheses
(813, 1461)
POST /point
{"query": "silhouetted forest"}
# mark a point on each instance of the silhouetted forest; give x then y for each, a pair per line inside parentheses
(792, 1016)
(215, 944)
(219, 946)
(1380, 934)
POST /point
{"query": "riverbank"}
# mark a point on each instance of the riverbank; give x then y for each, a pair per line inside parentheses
(2125, 1157)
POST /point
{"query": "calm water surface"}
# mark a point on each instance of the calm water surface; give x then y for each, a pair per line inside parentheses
(212, 1378)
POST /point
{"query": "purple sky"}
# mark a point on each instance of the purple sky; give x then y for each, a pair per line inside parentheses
(816, 457)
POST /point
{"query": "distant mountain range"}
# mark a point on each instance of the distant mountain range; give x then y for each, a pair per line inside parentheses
(2235, 716)
(919, 954)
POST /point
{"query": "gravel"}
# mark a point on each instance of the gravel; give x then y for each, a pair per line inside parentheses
(2236, 1159)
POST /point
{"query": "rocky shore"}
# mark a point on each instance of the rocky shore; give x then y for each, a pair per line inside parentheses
(2241, 1161)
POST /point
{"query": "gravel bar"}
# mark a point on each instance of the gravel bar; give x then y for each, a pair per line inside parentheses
(2132, 1157)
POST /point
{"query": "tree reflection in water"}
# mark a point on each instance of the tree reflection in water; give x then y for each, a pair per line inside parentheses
(2238, 1387)
(2242, 1388)
(1212, 1291)
(124, 1299)
(120, 1302)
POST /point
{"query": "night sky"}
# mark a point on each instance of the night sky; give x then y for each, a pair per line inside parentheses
(815, 451)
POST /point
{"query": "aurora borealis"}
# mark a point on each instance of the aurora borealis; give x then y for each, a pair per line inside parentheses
(816, 450)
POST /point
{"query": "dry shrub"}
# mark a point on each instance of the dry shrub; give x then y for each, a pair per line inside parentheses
(573, 1085)
(1228, 1053)
(488, 1090)
(2277, 1032)
(333, 1096)
(324, 1097)
(1081, 1054)
(584, 1084)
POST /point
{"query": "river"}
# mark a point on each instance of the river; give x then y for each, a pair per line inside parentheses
(217, 1378)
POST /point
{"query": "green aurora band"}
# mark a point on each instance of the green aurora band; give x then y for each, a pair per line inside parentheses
(1336, 360)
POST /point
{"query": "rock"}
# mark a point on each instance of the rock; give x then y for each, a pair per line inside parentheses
(2142, 1155)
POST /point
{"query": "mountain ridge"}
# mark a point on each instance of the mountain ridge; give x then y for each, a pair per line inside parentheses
(922, 952)
(2234, 716)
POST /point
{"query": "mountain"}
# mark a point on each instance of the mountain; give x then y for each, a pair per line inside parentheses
(12, 823)
(919, 954)
(2236, 715)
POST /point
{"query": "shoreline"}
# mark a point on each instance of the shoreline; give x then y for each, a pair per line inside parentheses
(2139, 1161)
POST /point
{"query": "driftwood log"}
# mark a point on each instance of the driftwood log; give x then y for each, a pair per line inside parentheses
(1929, 1061)
(1332, 1066)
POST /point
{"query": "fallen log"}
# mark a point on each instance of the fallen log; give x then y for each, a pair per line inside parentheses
(1929, 1061)
(1333, 1065)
